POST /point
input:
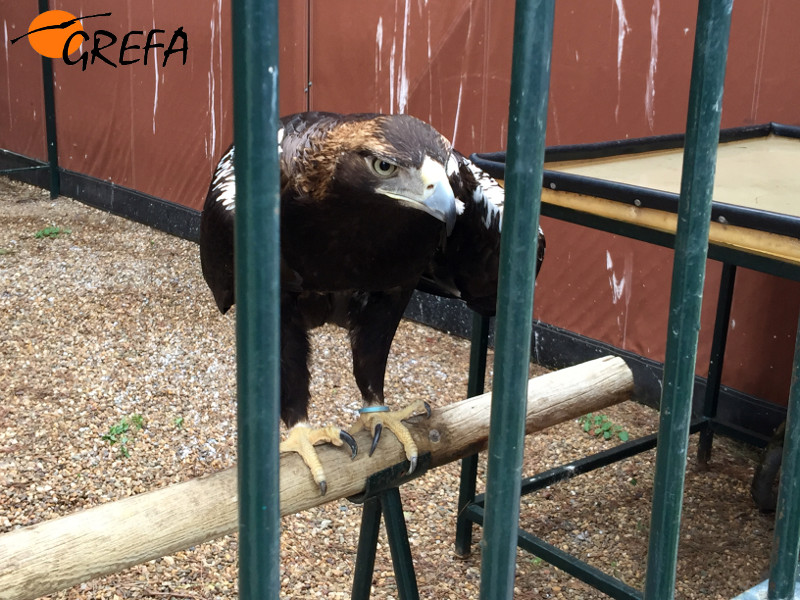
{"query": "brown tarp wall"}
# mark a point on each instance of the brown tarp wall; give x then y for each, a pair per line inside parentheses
(620, 70)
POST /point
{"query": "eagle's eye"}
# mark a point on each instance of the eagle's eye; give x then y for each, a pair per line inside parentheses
(383, 168)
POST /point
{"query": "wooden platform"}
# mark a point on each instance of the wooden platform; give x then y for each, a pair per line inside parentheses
(758, 175)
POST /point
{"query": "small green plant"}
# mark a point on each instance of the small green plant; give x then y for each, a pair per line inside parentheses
(601, 426)
(118, 434)
(615, 568)
(51, 232)
(178, 422)
(6, 251)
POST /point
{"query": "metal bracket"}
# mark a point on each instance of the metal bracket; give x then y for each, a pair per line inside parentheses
(381, 496)
(391, 477)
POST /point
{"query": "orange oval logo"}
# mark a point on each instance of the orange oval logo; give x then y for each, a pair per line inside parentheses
(49, 32)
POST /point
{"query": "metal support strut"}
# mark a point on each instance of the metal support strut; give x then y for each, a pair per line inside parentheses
(382, 496)
(50, 117)
(786, 542)
(691, 248)
(479, 346)
(714, 380)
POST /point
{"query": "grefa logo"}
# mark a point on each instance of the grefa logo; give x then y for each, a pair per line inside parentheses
(59, 34)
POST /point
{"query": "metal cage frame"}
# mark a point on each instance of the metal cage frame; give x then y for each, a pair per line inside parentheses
(256, 116)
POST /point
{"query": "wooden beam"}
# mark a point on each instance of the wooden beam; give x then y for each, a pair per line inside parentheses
(57, 554)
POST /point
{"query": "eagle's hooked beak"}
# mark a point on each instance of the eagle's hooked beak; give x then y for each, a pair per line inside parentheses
(438, 198)
(427, 189)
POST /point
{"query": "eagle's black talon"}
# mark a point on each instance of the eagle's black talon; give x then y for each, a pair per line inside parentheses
(348, 439)
(427, 410)
(412, 464)
(323, 487)
(376, 437)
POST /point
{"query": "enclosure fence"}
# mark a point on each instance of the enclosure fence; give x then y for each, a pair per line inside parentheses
(256, 119)
(256, 114)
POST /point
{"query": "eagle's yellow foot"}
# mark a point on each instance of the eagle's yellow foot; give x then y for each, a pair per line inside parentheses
(377, 416)
(302, 439)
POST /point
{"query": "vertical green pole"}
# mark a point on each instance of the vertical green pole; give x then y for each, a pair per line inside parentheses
(257, 248)
(469, 465)
(786, 542)
(691, 247)
(50, 117)
(714, 379)
(530, 82)
(397, 535)
(367, 545)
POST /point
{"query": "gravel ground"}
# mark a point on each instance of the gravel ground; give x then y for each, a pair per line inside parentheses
(112, 322)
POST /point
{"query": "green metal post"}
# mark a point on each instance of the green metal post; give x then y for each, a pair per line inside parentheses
(50, 117)
(691, 248)
(469, 465)
(714, 379)
(257, 250)
(367, 544)
(530, 82)
(397, 535)
(786, 542)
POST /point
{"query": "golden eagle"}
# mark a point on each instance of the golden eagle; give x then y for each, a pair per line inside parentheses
(372, 206)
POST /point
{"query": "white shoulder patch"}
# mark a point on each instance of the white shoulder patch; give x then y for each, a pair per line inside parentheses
(452, 165)
(224, 182)
(281, 134)
(488, 194)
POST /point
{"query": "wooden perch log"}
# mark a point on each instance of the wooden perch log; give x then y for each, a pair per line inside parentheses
(60, 553)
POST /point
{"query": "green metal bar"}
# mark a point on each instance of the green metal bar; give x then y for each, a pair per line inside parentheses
(606, 584)
(611, 586)
(367, 545)
(718, 343)
(257, 251)
(691, 247)
(397, 536)
(50, 117)
(786, 541)
(479, 346)
(20, 169)
(530, 83)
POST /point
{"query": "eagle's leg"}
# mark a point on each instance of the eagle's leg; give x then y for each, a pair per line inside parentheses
(295, 378)
(373, 321)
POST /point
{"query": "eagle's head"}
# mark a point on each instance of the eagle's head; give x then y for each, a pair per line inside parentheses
(393, 158)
